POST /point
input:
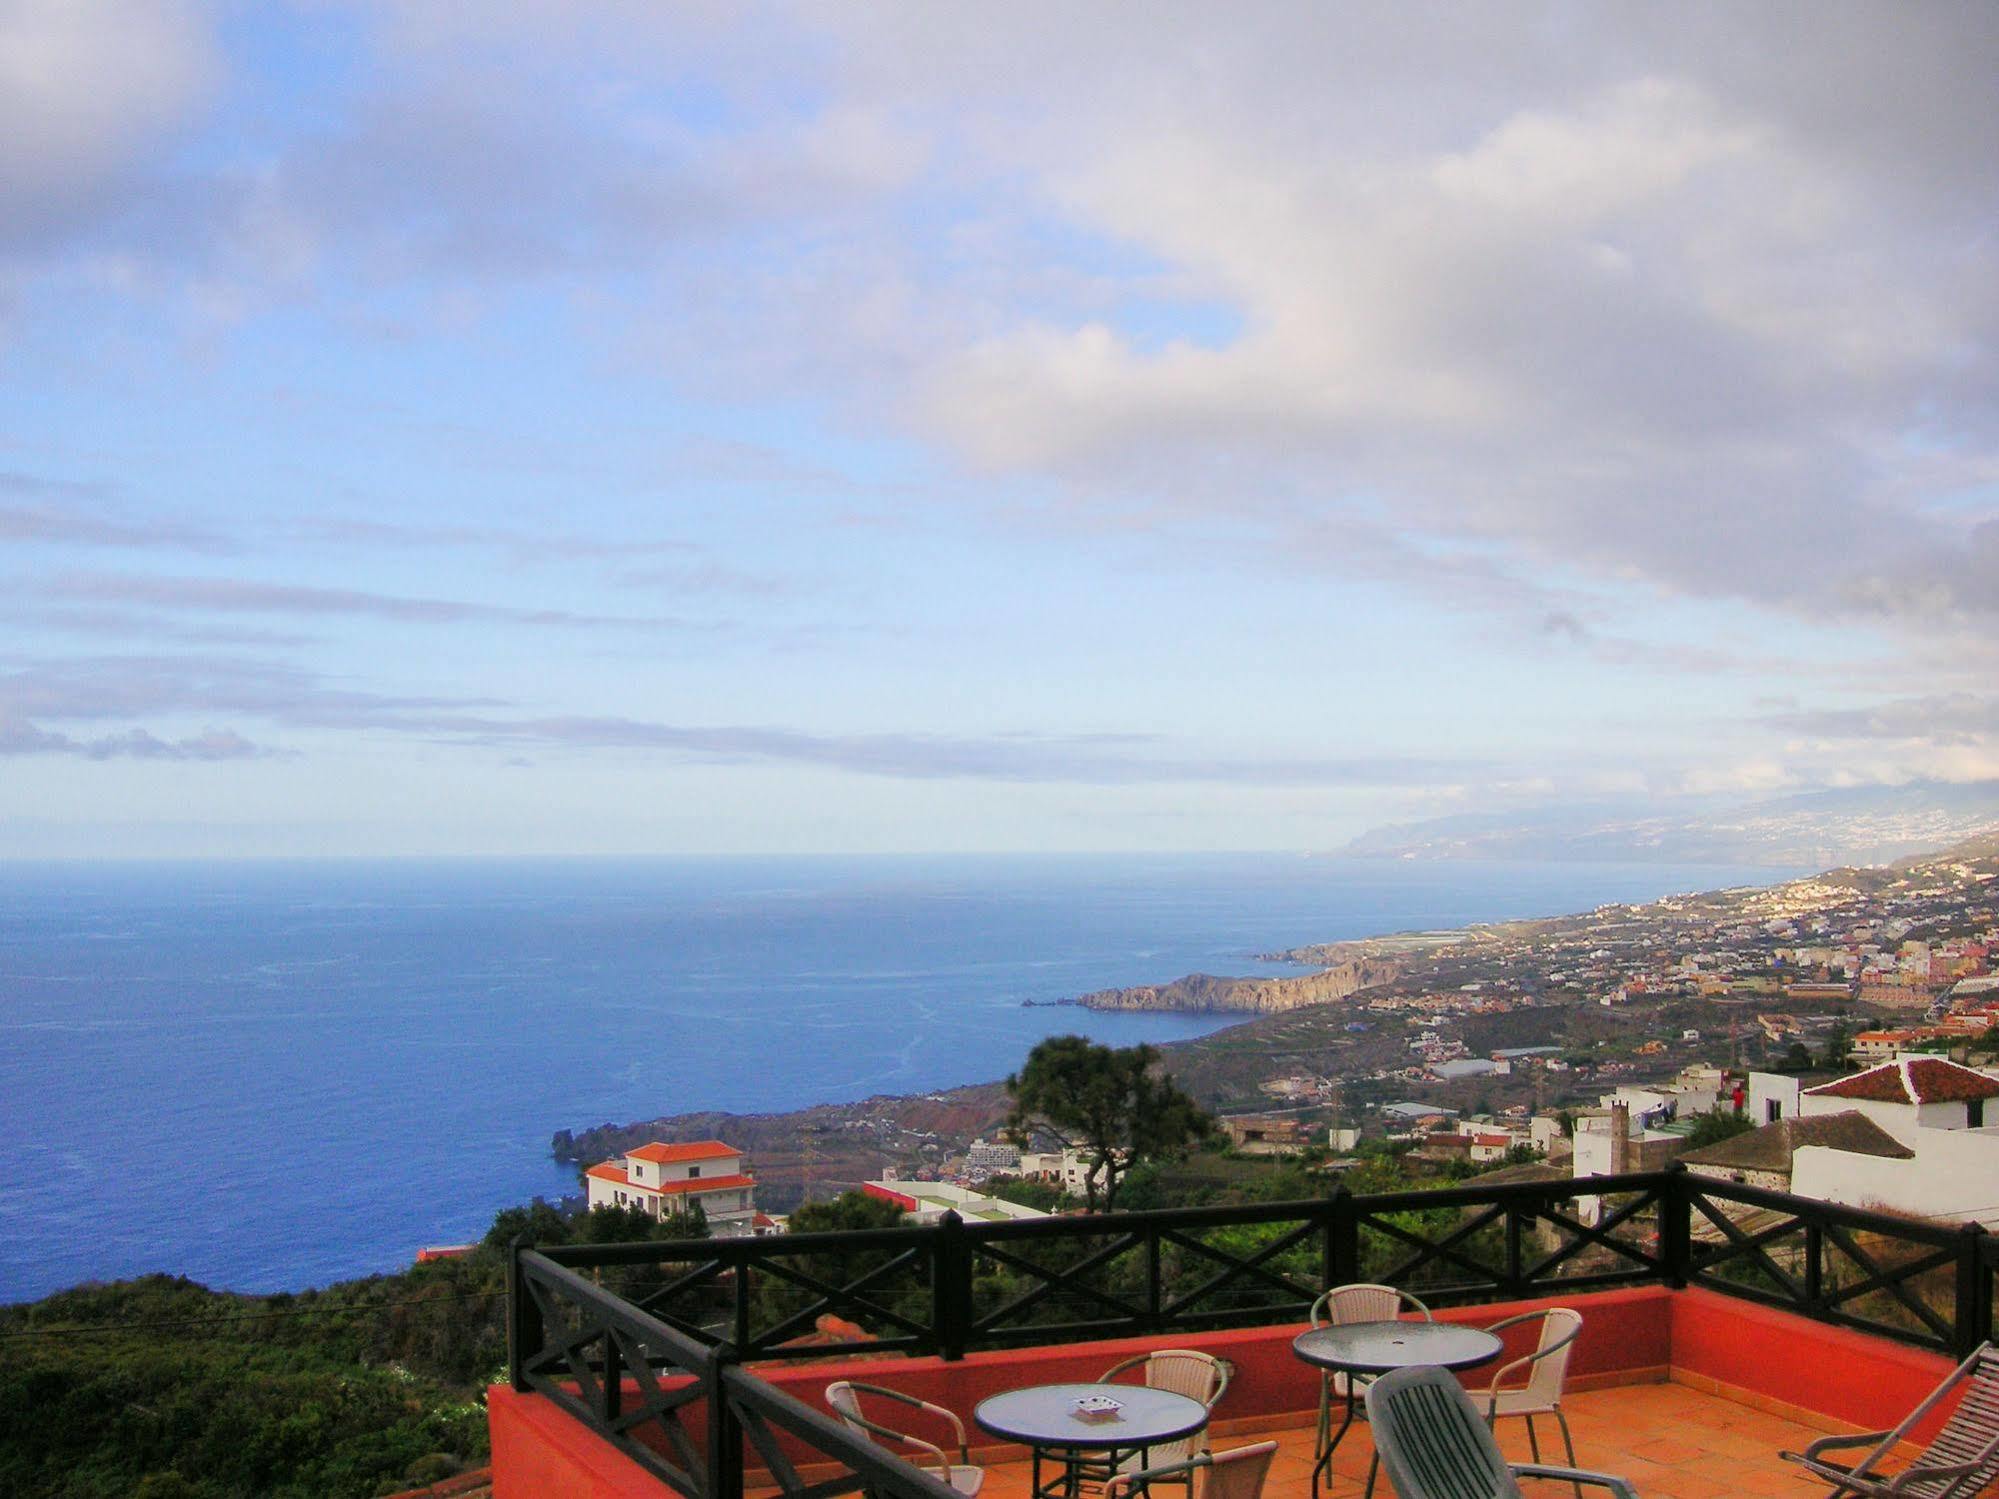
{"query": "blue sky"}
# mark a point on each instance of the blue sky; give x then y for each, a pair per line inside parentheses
(631, 428)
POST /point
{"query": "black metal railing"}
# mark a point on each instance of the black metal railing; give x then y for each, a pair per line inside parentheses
(689, 1311)
(690, 1413)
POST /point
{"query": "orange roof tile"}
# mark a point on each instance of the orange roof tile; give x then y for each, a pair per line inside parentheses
(1911, 1080)
(693, 1150)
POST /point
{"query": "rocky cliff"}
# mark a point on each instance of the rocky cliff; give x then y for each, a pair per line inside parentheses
(1259, 996)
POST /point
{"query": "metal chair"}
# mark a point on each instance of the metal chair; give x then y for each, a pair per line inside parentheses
(1338, 1308)
(1199, 1376)
(1547, 1369)
(1960, 1460)
(1235, 1474)
(1435, 1444)
(845, 1399)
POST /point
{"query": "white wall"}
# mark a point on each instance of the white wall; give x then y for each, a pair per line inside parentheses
(1766, 1088)
(1955, 1175)
(1904, 1121)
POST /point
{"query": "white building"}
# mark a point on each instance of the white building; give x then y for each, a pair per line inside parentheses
(926, 1202)
(661, 1180)
(1934, 1107)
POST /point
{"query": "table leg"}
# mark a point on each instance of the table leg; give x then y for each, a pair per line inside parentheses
(1325, 1463)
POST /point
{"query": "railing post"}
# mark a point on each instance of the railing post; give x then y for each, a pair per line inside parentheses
(1155, 1280)
(1514, 1258)
(950, 1287)
(725, 1431)
(1342, 1257)
(524, 1331)
(1974, 1291)
(1676, 1225)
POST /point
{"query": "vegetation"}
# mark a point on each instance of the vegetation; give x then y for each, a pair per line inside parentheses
(1109, 1103)
(163, 1388)
(1717, 1125)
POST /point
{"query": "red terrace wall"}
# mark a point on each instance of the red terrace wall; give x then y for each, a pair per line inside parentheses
(540, 1450)
(1827, 1376)
(1626, 1336)
(1797, 1367)
(907, 1204)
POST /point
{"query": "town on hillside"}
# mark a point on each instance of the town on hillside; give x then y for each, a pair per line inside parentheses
(1832, 1037)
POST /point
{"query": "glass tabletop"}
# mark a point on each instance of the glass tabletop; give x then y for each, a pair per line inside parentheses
(1046, 1416)
(1377, 1347)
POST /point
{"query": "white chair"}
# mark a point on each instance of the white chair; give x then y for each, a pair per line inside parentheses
(1339, 1307)
(845, 1399)
(1236, 1474)
(1547, 1370)
(1199, 1376)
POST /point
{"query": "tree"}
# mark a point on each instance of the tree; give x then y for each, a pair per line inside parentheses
(538, 1223)
(1712, 1128)
(848, 1211)
(1837, 1045)
(1107, 1104)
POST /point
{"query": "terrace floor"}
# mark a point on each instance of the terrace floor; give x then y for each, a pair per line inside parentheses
(1669, 1440)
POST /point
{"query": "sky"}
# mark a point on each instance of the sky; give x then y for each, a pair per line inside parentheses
(631, 428)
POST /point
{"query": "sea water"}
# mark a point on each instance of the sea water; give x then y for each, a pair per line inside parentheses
(271, 1076)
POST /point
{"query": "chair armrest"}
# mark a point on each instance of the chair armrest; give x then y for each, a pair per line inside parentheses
(1226, 1370)
(1123, 1483)
(1931, 1472)
(1826, 1444)
(1621, 1487)
(1416, 1303)
(950, 1417)
(1536, 1356)
(1124, 1368)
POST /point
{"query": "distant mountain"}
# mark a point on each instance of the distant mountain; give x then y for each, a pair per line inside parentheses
(1820, 829)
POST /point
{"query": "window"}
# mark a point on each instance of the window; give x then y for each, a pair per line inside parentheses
(692, 1172)
(1974, 1114)
(1773, 1110)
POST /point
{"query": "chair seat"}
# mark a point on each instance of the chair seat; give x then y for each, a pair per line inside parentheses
(967, 1480)
(1521, 1403)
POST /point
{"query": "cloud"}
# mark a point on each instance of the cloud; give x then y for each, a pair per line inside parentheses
(21, 738)
(237, 596)
(1094, 760)
(90, 92)
(66, 512)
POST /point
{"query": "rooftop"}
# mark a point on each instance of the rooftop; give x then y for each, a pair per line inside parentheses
(692, 1150)
(1912, 1080)
(1771, 1147)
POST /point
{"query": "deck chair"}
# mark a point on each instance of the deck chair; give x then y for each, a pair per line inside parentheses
(1236, 1474)
(1435, 1444)
(1337, 1308)
(1199, 1376)
(845, 1399)
(1547, 1369)
(1960, 1460)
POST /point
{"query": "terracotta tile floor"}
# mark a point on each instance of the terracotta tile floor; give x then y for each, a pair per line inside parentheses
(1671, 1442)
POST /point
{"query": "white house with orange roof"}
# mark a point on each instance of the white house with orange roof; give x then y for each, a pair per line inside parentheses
(662, 1180)
(1936, 1108)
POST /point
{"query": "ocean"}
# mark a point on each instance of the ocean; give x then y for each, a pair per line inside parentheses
(269, 1076)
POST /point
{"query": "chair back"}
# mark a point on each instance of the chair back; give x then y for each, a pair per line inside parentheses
(1184, 1371)
(1199, 1376)
(1236, 1474)
(1973, 1428)
(1546, 1375)
(1432, 1441)
(1363, 1303)
(1239, 1473)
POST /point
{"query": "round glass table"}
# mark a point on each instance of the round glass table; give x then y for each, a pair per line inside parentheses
(1364, 1349)
(1046, 1418)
